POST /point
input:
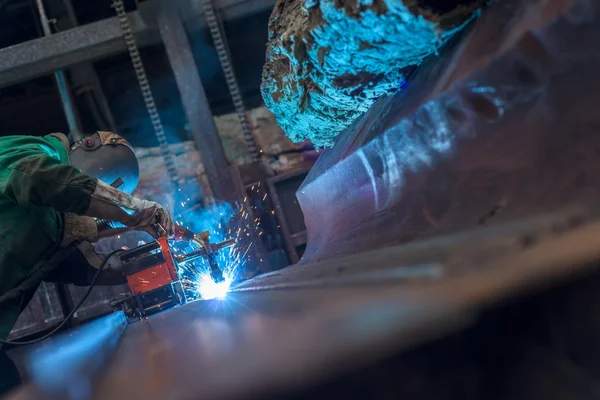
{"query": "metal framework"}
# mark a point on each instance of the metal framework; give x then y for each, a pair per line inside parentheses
(195, 105)
(104, 38)
(76, 47)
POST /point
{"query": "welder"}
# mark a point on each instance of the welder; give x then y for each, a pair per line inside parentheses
(52, 194)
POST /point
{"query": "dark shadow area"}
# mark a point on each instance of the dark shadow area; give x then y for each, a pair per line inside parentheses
(542, 347)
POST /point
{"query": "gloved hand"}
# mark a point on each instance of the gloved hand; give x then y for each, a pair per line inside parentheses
(150, 213)
(113, 205)
(151, 230)
(78, 228)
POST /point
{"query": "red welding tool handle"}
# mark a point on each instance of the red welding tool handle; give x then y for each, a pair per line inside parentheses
(181, 233)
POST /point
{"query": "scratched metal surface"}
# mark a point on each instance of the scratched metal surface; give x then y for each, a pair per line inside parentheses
(269, 339)
(503, 125)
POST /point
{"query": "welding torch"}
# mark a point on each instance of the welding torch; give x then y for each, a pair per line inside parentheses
(207, 250)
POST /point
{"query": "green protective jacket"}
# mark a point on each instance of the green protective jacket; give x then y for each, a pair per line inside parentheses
(37, 185)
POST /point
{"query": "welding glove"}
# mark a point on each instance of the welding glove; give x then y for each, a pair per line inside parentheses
(152, 213)
(85, 229)
(78, 228)
(114, 205)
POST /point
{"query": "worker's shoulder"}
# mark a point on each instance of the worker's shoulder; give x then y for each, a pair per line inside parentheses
(64, 141)
(25, 140)
(19, 146)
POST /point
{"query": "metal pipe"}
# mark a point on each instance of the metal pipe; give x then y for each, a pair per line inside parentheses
(204, 252)
(61, 83)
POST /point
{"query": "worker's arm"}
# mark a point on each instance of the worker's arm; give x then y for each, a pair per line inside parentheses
(108, 202)
(44, 181)
(85, 229)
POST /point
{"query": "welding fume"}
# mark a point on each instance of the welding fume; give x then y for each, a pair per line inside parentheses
(56, 198)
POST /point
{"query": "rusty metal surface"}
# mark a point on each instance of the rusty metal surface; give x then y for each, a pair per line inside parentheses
(102, 39)
(266, 339)
(502, 126)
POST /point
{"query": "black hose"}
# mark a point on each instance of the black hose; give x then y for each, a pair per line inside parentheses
(87, 293)
(105, 225)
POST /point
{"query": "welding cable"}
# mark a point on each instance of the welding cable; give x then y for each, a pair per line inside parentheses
(68, 317)
(104, 225)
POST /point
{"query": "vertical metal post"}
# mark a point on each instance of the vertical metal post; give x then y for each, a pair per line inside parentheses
(84, 74)
(196, 106)
(61, 83)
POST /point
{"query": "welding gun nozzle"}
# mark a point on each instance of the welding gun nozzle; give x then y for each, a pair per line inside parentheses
(217, 276)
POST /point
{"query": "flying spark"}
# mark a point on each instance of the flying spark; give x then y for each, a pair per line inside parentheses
(221, 220)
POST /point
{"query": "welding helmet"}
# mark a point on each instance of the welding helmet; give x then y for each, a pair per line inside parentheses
(108, 157)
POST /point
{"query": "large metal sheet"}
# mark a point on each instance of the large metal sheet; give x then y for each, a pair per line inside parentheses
(502, 126)
(265, 340)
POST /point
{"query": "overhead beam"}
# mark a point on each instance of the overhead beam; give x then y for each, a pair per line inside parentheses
(103, 39)
(45, 55)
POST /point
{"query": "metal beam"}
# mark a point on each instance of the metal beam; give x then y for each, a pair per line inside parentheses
(45, 55)
(69, 107)
(195, 105)
(103, 39)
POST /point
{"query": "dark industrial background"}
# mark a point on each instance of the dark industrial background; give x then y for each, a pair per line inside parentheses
(87, 41)
(446, 247)
(19, 22)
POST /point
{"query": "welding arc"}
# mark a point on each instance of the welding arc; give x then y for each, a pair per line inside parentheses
(68, 317)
